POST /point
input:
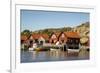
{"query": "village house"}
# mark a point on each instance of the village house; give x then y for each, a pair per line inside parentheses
(54, 37)
(39, 38)
(62, 38)
(71, 39)
(44, 38)
(24, 42)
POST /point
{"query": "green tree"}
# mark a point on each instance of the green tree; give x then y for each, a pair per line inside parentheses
(26, 33)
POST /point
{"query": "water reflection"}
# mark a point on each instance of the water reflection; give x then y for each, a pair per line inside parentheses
(43, 56)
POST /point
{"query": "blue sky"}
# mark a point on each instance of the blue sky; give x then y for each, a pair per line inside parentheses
(36, 20)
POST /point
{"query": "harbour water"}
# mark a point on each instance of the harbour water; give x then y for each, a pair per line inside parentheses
(47, 56)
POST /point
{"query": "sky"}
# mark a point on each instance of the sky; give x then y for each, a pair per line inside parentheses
(36, 20)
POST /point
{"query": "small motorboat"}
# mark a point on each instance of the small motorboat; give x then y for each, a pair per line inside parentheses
(40, 49)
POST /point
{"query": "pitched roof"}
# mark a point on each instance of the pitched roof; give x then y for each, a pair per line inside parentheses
(36, 36)
(68, 34)
(56, 33)
(72, 34)
(45, 36)
(23, 37)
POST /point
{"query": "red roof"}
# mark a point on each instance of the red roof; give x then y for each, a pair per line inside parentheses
(72, 34)
(23, 37)
(37, 36)
(45, 36)
(68, 34)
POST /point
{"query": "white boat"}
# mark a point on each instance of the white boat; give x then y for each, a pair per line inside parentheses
(73, 50)
(31, 49)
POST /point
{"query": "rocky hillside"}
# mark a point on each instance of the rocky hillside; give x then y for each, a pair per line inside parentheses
(83, 29)
(84, 32)
(51, 30)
